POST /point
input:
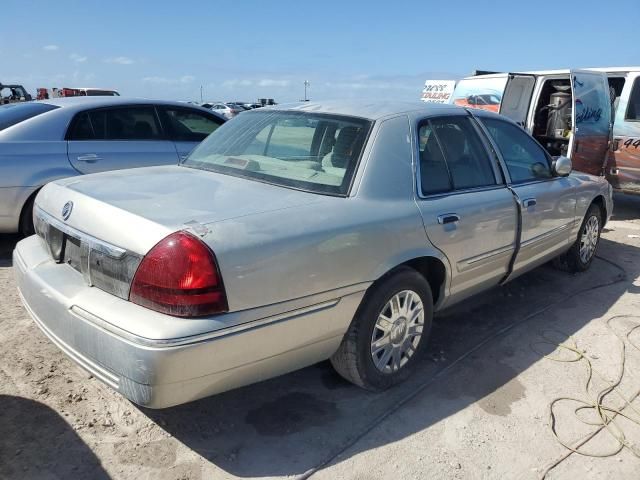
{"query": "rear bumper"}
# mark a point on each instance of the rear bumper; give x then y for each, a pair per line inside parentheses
(160, 372)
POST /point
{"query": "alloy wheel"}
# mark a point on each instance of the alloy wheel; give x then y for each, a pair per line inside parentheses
(397, 332)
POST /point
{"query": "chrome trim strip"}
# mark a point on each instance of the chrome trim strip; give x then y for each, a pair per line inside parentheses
(484, 256)
(84, 315)
(94, 243)
(546, 235)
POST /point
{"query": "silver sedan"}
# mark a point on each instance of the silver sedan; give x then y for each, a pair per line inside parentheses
(65, 137)
(296, 234)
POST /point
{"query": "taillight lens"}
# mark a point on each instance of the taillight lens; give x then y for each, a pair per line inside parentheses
(179, 276)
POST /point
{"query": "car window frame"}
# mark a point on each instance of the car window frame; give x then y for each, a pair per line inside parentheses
(166, 125)
(497, 173)
(163, 134)
(634, 86)
(501, 160)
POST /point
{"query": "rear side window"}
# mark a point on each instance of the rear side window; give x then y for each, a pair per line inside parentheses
(14, 113)
(633, 107)
(524, 157)
(452, 156)
(190, 125)
(129, 123)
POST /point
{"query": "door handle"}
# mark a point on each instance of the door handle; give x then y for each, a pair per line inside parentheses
(89, 157)
(448, 218)
(529, 202)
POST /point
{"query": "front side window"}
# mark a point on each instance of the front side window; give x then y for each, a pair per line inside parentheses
(524, 157)
(128, 123)
(189, 125)
(452, 156)
(314, 152)
(633, 107)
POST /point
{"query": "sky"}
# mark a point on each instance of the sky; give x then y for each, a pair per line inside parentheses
(243, 50)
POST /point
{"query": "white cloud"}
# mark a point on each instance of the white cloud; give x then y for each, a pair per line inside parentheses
(77, 58)
(233, 83)
(119, 60)
(51, 48)
(270, 82)
(169, 81)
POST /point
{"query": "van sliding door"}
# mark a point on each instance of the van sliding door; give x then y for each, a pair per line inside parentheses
(517, 97)
(591, 121)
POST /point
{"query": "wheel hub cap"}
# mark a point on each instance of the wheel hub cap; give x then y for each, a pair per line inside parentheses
(397, 332)
(589, 239)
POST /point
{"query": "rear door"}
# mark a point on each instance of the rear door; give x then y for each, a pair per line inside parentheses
(468, 212)
(516, 99)
(591, 120)
(118, 137)
(187, 127)
(547, 202)
(623, 167)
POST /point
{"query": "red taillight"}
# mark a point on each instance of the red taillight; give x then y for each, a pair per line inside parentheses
(179, 276)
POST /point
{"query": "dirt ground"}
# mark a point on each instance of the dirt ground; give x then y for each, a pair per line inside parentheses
(478, 408)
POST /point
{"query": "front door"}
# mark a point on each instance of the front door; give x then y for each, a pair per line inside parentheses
(623, 167)
(591, 121)
(547, 203)
(468, 213)
(116, 138)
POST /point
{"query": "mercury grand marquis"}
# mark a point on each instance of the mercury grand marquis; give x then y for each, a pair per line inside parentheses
(295, 234)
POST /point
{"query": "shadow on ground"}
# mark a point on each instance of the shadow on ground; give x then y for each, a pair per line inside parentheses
(627, 207)
(26, 450)
(293, 423)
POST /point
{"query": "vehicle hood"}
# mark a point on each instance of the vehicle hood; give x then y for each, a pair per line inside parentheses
(136, 208)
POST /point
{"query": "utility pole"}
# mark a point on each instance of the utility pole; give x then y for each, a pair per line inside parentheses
(306, 84)
(201, 100)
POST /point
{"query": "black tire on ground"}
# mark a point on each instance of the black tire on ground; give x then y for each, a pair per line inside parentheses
(354, 359)
(572, 261)
(26, 218)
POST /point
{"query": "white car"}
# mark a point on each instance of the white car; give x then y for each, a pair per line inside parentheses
(227, 111)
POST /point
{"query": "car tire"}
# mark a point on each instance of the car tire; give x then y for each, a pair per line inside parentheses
(26, 218)
(387, 324)
(579, 257)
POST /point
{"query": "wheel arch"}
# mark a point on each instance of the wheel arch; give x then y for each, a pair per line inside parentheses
(600, 202)
(434, 270)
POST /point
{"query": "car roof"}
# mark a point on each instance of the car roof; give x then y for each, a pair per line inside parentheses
(81, 103)
(372, 110)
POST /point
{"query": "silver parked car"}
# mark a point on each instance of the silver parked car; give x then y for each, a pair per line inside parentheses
(296, 234)
(64, 137)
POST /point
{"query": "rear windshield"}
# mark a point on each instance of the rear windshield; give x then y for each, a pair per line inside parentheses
(309, 151)
(14, 113)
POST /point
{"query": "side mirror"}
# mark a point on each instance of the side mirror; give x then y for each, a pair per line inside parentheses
(562, 167)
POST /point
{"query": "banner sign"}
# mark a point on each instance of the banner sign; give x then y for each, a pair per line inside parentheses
(438, 91)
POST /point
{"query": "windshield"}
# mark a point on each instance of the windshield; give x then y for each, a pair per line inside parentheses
(309, 151)
(14, 113)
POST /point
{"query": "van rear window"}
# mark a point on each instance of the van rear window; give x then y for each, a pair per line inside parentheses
(14, 113)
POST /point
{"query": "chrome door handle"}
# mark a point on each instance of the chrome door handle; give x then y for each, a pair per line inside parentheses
(448, 218)
(529, 202)
(89, 157)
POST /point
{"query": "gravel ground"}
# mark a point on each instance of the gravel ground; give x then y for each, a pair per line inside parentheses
(478, 408)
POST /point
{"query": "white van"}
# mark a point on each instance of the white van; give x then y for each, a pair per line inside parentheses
(591, 116)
